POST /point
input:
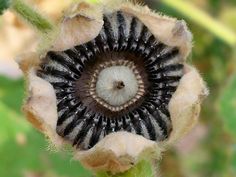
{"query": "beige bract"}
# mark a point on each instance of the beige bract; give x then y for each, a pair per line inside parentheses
(16, 36)
(118, 151)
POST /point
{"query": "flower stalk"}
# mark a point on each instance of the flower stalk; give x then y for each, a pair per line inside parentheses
(143, 168)
(201, 18)
(30, 15)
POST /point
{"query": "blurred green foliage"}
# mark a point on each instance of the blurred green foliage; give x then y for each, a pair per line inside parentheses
(23, 150)
(215, 57)
(12, 89)
(228, 105)
(3, 5)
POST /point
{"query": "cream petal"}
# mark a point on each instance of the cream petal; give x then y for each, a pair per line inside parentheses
(81, 24)
(169, 31)
(27, 61)
(185, 104)
(118, 152)
(40, 105)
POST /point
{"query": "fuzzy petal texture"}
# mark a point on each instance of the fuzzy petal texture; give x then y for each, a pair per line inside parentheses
(80, 24)
(40, 105)
(119, 151)
(185, 104)
(170, 31)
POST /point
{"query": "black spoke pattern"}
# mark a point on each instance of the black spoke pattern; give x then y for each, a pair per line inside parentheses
(121, 32)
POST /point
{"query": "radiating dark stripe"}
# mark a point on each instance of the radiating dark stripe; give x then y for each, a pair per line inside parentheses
(143, 40)
(112, 39)
(154, 54)
(97, 131)
(80, 110)
(168, 88)
(78, 59)
(148, 124)
(92, 46)
(151, 45)
(84, 51)
(158, 118)
(159, 129)
(119, 124)
(156, 78)
(62, 102)
(84, 130)
(143, 125)
(123, 36)
(70, 110)
(61, 74)
(132, 43)
(60, 59)
(101, 41)
(127, 123)
(169, 68)
(53, 79)
(166, 56)
(111, 126)
(66, 90)
(136, 122)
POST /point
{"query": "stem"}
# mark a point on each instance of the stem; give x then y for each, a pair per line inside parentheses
(203, 19)
(142, 169)
(31, 16)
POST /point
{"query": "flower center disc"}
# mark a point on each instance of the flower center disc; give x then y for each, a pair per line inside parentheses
(116, 85)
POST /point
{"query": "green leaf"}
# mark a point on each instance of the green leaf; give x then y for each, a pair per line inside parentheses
(4, 4)
(12, 93)
(234, 160)
(228, 105)
(30, 154)
(33, 156)
(11, 124)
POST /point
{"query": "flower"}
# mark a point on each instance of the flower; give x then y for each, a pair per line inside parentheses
(114, 83)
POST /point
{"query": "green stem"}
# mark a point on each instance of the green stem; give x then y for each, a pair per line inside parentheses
(142, 169)
(203, 19)
(31, 16)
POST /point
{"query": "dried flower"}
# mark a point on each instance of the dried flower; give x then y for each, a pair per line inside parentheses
(114, 84)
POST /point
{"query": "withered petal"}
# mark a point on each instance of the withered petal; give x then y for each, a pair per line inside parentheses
(118, 151)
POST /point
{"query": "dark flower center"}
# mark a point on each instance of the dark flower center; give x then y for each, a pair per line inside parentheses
(132, 96)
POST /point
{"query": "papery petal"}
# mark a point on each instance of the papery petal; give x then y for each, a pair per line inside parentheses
(185, 104)
(118, 152)
(40, 105)
(168, 30)
(81, 24)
